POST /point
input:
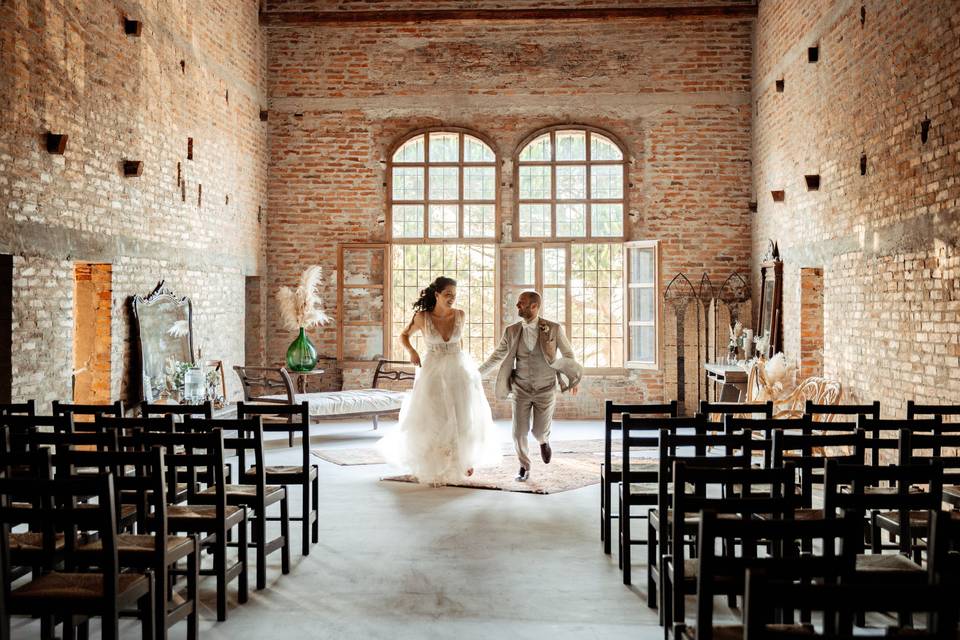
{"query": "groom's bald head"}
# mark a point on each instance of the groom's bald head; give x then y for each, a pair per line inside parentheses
(528, 305)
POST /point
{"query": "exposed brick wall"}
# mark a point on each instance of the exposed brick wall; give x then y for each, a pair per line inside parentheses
(811, 322)
(886, 241)
(676, 93)
(196, 71)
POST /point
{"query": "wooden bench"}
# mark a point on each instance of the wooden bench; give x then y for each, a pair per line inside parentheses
(274, 385)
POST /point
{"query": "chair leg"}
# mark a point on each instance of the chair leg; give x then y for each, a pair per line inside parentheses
(242, 553)
(605, 516)
(285, 532)
(316, 509)
(160, 592)
(83, 630)
(376, 422)
(69, 631)
(305, 522)
(625, 550)
(619, 533)
(148, 612)
(651, 565)
(666, 599)
(193, 594)
(260, 535)
(220, 568)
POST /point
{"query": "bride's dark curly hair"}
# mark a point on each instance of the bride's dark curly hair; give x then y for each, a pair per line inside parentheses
(428, 297)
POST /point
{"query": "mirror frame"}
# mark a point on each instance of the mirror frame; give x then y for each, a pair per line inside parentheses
(771, 271)
(158, 295)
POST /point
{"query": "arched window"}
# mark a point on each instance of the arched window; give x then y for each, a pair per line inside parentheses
(442, 219)
(570, 184)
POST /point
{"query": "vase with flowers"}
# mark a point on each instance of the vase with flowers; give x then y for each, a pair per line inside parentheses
(301, 309)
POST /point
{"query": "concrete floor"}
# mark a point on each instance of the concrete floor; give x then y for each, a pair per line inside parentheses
(401, 561)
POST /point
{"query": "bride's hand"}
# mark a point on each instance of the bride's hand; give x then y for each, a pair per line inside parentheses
(415, 358)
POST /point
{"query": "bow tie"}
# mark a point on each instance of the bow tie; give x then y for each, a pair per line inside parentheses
(530, 325)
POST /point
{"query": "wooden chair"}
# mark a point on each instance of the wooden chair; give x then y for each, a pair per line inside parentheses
(841, 603)
(156, 551)
(68, 592)
(722, 572)
(610, 471)
(951, 492)
(638, 487)
(821, 412)
(714, 411)
(64, 408)
(762, 430)
(305, 474)
(28, 408)
(882, 435)
(188, 456)
(241, 436)
(746, 494)
(660, 521)
(203, 410)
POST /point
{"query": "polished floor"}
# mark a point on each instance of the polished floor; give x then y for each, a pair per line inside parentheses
(403, 561)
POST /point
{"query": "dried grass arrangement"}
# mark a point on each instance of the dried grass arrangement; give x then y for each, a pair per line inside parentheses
(303, 307)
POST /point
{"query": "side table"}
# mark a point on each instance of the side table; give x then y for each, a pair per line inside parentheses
(302, 376)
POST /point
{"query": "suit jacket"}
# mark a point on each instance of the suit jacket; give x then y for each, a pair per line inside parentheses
(551, 339)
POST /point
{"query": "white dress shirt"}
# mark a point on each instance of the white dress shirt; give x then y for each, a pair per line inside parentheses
(530, 332)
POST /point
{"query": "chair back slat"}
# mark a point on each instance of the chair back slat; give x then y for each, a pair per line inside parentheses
(204, 409)
(871, 410)
(28, 408)
(915, 409)
(710, 409)
(114, 409)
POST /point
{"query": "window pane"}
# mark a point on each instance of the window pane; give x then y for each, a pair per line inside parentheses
(475, 150)
(535, 220)
(444, 147)
(410, 151)
(596, 283)
(606, 181)
(607, 220)
(554, 304)
(444, 183)
(642, 304)
(408, 183)
(571, 220)
(443, 221)
(535, 183)
(554, 266)
(537, 150)
(571, 182)
(643, 344)
(407, 221)
(602, 148)
(641, 265)
(479, 183)
(571, 145)
(479, 220)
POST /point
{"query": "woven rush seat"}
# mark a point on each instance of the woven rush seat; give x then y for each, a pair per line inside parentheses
(277, 471)
(918, 520)
(130, 543)
(30, 541)
(735, 631)
(245, 490)
(181, 513)
(887, 562)
(53, 586)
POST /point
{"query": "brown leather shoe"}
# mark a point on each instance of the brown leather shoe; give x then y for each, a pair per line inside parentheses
(546, 453)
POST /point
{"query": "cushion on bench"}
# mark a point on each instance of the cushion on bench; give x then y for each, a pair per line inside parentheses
(332, 403)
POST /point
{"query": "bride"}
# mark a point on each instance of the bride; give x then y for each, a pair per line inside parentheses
(446, 429)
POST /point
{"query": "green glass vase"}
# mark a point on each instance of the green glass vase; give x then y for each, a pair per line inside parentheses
(302, 355)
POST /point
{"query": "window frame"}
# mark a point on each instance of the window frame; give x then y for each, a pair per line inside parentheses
(553, 201)
(657, 305)
(460, 202)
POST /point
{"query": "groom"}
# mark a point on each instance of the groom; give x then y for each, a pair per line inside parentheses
(531, 370)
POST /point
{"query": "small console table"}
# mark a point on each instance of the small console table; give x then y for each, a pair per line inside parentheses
(732, 379)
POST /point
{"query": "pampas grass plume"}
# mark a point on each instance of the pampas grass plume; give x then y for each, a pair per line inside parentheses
(302, 307)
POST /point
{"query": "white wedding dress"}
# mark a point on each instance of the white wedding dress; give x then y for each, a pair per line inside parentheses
(445, 423)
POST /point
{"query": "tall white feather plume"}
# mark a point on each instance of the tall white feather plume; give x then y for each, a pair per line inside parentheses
(302, 307)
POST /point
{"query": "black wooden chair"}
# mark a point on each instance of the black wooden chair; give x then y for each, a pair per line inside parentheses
(762, 430)
(638, 481)
(771, 545)
(610, 471)
(28, 408)
(883, 441)
(742, 493)
(68, 592)
(714, 411)
(241, 436)
(305, 474)
(951, 492)
(202, 410)
(829, 411)
(155, 550)
(87, 412)
(189, 456)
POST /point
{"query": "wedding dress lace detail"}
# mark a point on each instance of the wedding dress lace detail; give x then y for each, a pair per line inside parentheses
(445, 423)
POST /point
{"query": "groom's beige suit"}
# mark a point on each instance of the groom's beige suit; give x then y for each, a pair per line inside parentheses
(531, 375)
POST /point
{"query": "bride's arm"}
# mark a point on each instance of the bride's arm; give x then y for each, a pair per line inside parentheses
(416, 324)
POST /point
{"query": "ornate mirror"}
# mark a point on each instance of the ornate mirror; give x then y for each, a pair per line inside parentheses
(164, 332)
(771, 293)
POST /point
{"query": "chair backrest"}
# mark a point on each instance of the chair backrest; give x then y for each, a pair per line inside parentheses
(807, 452)
(883, 434)
(827, 412)
(28, 408)
(763, 428)
(239, 437)
(125, 426)
(768, 594)
(298, 419)
(258, 382)
(395, 370)
(915, 409)
(942, 449)
(710, 409)
(643, 431)
(63, 408)
(61, 505)
(830, 556)
(914, 487)
(190, 458)
(204, 409)
(19, 427)
(35, 439)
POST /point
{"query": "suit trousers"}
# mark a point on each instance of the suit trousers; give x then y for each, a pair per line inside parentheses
(539, 403)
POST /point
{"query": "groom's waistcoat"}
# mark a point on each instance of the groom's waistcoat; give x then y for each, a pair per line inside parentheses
(532, 373)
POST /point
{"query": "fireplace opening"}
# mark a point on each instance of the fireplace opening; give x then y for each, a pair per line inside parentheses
(92, 332)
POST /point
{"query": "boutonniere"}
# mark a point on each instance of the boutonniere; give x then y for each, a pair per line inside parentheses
(544, 328)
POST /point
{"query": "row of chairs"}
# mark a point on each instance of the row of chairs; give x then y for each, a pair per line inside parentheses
(201, 499)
